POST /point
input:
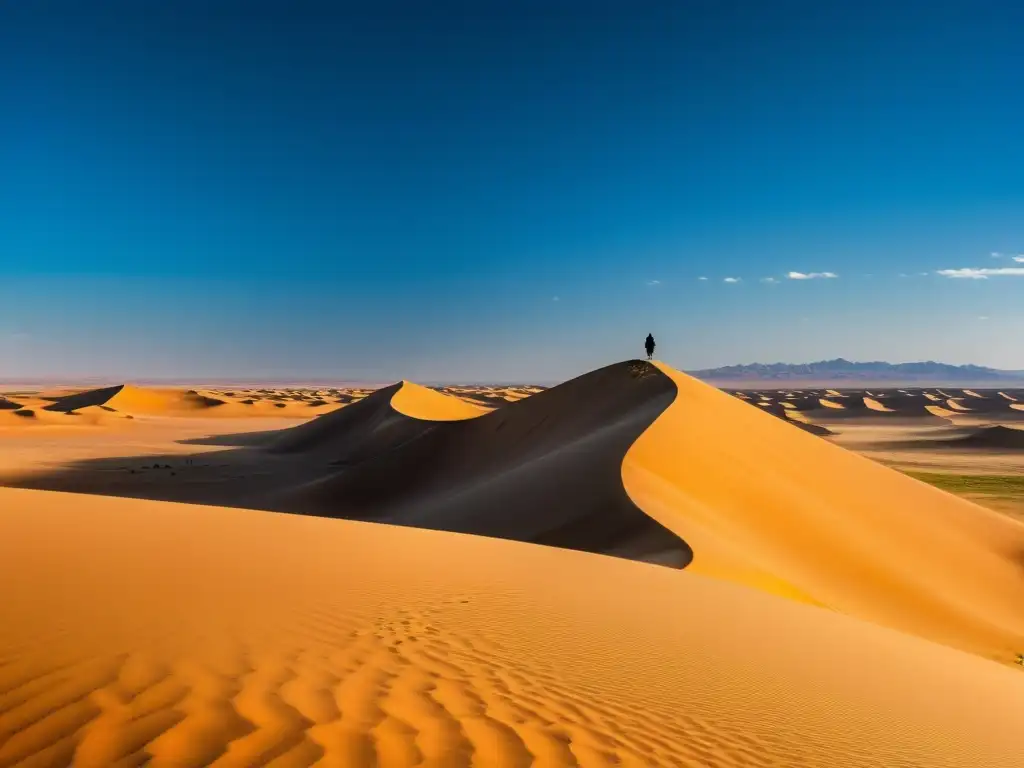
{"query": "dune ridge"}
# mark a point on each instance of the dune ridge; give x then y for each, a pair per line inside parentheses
(426, 404)
(545, 469)
(132, 399)
(178, 636)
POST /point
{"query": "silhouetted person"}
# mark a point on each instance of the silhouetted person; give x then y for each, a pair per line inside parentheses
(649, 346)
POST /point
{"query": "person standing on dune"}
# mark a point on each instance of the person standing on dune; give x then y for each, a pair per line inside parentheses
(649, 346)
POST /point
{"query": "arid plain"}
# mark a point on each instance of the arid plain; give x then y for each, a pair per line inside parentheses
(631, 568)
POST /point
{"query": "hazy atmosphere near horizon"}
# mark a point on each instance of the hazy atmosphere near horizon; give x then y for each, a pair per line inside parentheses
(519, 192)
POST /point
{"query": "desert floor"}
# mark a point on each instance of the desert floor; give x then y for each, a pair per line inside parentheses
(631, 568)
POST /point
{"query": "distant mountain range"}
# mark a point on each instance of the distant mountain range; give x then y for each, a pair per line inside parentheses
(845, 370)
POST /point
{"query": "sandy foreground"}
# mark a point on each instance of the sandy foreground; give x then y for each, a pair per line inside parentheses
(832, 612)
(175, 635)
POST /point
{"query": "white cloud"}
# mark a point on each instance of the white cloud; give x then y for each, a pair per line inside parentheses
(977, 273)
(654, 282)
(983, 317)
(769, 280)
(731, 280)
(1019, 259)
(811, 275)
(555, 298)
(702, 278)
(996, 255)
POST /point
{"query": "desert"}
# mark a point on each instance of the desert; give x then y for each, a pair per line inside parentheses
(511, 385)
(405, 576)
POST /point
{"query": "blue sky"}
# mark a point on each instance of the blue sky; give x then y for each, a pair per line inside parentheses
(505, 191)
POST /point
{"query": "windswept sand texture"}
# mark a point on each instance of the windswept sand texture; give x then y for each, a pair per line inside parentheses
(169, 635)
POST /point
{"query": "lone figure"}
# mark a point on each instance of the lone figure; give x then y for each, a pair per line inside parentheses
(649, 346)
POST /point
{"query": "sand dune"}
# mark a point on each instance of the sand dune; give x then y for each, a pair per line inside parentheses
(643, 462)
(131, 399)
(799, 419)
(85, 416)
(544, 469)
(874, 405)
(993, 437)
(422, 403)
(770, 506)
(889, 408)
(171, 635)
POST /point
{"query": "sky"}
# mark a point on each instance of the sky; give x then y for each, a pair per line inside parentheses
(467, 191)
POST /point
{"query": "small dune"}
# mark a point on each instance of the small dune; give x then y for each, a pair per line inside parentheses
(955, 404)
(874, 405)
(136, 400)
(993, 437)
(412, 456)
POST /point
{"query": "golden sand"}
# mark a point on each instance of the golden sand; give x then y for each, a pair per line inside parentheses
(422, 403)
(173, 635)
(768, 505)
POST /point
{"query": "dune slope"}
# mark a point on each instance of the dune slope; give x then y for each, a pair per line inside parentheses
(545, 469)
(173, 635)
(132, 399)
(764, 504)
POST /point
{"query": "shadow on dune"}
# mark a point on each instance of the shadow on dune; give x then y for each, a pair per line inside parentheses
(546, 469)
(104, 396)
(988, 438)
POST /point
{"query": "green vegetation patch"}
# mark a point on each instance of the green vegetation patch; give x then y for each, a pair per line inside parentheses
(990, 485)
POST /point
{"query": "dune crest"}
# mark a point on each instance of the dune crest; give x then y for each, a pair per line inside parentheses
(136, 400)
(545, 469)
(422, 403)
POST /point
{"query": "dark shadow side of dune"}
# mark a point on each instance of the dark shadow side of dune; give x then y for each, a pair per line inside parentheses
(100, 397)
(546, 469)
(994, 438)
